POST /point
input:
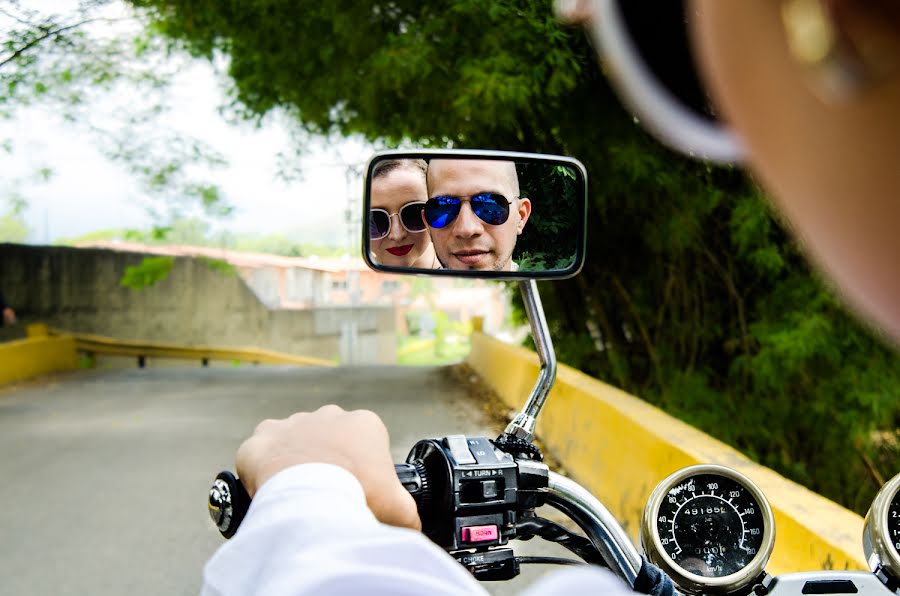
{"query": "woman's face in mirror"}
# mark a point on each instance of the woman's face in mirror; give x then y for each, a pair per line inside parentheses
(391, 191)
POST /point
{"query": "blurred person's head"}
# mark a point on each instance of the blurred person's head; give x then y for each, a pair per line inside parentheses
(474, 213)
(810, 92)
(828, 153)
(396, 229)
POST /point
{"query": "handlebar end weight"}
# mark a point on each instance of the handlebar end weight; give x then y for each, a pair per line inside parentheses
(228, 503)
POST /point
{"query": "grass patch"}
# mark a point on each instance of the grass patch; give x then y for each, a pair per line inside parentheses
(418, 352)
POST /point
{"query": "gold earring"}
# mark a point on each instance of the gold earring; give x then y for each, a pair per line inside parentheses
(845, 46)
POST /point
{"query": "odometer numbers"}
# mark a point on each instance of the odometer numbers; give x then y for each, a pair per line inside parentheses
(893, 523)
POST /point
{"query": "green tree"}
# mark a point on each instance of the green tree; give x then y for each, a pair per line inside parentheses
(12, 229)
(148, 272)
(550, 239)
(12, 226)
(692, 295)
(95, 67)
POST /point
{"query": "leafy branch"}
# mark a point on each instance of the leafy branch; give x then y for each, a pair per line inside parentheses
(46, 33)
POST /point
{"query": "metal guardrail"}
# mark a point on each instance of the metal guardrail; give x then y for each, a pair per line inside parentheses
(142, 350)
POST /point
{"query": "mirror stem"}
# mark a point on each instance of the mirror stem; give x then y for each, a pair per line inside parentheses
(523, 424)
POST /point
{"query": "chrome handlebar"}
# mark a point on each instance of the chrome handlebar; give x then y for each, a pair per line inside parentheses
(597, 523)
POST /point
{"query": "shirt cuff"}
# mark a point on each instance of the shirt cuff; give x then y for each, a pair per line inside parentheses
(312, 476)
(314, 490)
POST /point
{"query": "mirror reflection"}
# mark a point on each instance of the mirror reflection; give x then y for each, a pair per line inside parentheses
(397, 231)
(474, 214)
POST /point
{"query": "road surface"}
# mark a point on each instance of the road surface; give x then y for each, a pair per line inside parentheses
(105, 473)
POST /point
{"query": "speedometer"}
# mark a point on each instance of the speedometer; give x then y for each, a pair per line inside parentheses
(881, 533)
(710, 528)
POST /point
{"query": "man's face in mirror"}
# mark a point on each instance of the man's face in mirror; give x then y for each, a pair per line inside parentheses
(473, 194)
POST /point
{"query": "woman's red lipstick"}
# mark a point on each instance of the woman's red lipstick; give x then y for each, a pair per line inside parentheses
(399, 251)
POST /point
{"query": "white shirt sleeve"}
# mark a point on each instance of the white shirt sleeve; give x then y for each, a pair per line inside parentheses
(309, 531)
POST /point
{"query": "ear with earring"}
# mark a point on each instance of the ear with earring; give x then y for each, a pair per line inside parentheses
(846, 46)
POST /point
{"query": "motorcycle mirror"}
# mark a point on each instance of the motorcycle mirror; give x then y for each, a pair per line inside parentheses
(484, 214)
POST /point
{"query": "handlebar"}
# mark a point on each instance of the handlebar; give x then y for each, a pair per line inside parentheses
(473, 497)
(413, 479)
(474, 508)
(229, 502)
(598, 523)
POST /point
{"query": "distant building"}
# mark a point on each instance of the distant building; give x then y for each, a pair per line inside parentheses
(282, 282)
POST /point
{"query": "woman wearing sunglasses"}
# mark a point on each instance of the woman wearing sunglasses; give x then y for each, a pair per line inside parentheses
(396, 227)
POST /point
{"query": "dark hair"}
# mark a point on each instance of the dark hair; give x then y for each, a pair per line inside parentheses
(386, 166)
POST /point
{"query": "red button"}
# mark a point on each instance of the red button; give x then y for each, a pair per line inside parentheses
(480, 533)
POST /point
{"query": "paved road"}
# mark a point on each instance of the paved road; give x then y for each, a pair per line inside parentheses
(105, 473)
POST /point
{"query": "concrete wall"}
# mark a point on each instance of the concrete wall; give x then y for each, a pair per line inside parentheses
(78, 290)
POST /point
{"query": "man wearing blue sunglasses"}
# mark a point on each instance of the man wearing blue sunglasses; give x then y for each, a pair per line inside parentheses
(474, 213)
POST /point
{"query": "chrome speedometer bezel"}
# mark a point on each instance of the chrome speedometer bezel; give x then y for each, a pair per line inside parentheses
(690, 582)
(876, 538)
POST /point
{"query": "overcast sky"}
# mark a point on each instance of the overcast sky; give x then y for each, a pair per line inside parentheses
(88, 193)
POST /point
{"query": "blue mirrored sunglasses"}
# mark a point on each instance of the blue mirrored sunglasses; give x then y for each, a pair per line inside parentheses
(492, 208)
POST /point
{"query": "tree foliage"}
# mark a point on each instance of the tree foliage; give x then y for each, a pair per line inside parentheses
(12, 229)
(550, 239)
(12, 226)
(94, 67)
(692, 295)
(199, 232)
(149, 272)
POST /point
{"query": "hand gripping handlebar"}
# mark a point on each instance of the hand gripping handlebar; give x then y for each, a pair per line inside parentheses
(229, 502)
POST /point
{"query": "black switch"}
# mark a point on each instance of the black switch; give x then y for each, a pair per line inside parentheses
(489, 490)
(483, 451)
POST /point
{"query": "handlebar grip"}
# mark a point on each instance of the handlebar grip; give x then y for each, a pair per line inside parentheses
(229, 501)
(415, 481)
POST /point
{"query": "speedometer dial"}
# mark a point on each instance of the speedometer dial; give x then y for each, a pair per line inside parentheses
(881, 534)
(709, 528)
(710, 525)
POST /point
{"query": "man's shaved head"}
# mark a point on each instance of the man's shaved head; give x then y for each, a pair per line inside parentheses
(506, 169)
(468, 242)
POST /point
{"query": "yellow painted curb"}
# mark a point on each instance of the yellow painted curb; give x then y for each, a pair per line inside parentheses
(24, 359)
(620, 447)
